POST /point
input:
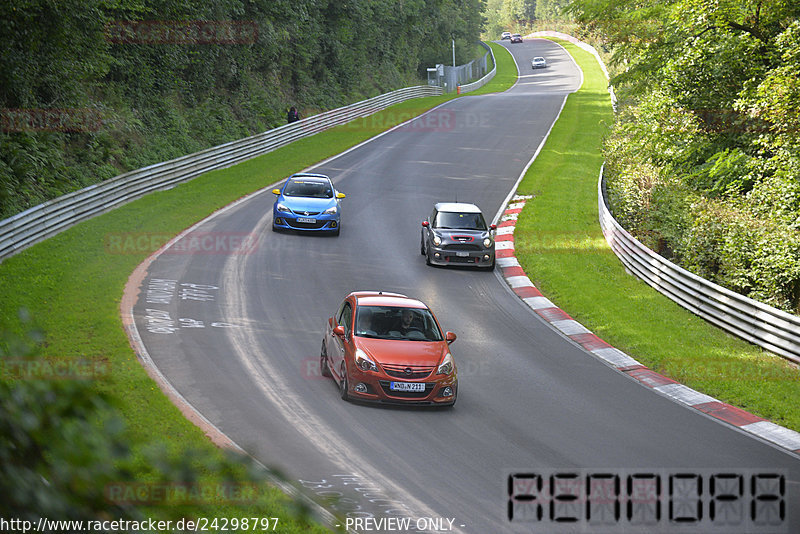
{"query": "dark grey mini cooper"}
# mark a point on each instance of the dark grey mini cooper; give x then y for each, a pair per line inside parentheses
(456, 234)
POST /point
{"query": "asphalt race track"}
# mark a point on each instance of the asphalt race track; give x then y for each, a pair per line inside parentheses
(238, 335)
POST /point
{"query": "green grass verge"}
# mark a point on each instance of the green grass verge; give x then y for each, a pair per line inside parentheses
(506, 74)
(560, 245)
(72, 284)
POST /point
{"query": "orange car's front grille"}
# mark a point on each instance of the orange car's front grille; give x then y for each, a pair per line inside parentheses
(385, 385)
(409, 372)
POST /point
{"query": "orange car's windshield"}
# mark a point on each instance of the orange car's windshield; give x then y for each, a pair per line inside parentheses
(395, 322)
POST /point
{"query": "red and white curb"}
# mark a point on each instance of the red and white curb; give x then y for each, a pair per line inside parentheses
(522, 286)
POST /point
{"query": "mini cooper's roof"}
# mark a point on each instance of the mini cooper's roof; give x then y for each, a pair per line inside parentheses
(458, 207)
(380, 298)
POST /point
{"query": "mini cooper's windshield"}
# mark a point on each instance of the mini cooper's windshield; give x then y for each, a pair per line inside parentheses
(395, 322)
(459, 221)
(303, 187)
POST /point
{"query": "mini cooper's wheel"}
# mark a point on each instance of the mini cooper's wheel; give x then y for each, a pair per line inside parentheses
(428, 258)
(422, 245)
(343, 383)
(323, 361)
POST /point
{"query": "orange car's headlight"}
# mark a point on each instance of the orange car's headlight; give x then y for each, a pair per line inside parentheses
(364, 362)
(447, 366)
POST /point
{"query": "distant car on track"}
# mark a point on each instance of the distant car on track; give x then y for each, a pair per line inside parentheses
(456, 234)
(387, 347)
(516, 38)
(505, 35)
(307, 202)
(538, 63)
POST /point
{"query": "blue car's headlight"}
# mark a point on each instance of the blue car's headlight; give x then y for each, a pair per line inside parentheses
(282, 208)
(330, 211)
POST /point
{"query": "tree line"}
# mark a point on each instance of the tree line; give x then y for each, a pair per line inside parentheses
(90, 89)
(523, 15)
(703, 162)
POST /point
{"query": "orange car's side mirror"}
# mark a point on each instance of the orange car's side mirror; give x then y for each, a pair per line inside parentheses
(449, 337)
(339, 331)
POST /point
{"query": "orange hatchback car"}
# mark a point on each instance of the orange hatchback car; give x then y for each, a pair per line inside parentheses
(387, 347)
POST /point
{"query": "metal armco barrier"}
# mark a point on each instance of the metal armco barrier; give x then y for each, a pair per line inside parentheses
(768, 327)
(483, 81)
(756, 322)
(47, 219)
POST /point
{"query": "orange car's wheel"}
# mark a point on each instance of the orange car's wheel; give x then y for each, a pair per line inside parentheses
(323, 361)
(343, 383)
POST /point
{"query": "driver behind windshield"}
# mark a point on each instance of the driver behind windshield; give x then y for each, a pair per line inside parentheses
(462, 221)
(406, 321)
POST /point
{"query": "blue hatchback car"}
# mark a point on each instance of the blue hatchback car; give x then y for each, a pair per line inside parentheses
(307, 202)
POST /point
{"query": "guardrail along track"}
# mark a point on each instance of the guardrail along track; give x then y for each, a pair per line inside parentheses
(47, 219)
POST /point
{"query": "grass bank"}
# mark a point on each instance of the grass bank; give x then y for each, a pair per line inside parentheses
(71, 285)
(560, 245)
(506, 74)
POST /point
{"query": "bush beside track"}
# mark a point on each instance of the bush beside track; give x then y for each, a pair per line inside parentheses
(71, 284)
(559, 244)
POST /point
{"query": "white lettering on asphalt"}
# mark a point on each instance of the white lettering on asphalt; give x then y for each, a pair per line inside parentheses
(160, 291)
(159, 322)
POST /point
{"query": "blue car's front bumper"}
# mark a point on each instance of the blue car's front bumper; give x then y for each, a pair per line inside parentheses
(319, 222)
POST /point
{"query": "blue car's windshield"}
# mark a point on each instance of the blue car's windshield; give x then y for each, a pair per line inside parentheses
(308, 188)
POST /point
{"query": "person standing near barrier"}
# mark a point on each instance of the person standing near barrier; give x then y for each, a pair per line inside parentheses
(293, 115)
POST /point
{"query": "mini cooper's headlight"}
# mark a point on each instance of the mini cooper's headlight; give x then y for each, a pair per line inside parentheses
(331, 210)
(437, 240)
(363, 362)
(281, 207)
(447, 365)
(487, 242)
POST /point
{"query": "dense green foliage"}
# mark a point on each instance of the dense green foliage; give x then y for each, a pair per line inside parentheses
(704, 160)
(522, 15)
(66, 454)
(561, 246)
(138, 95)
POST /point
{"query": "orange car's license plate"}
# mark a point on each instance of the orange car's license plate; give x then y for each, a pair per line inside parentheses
(407, 386)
